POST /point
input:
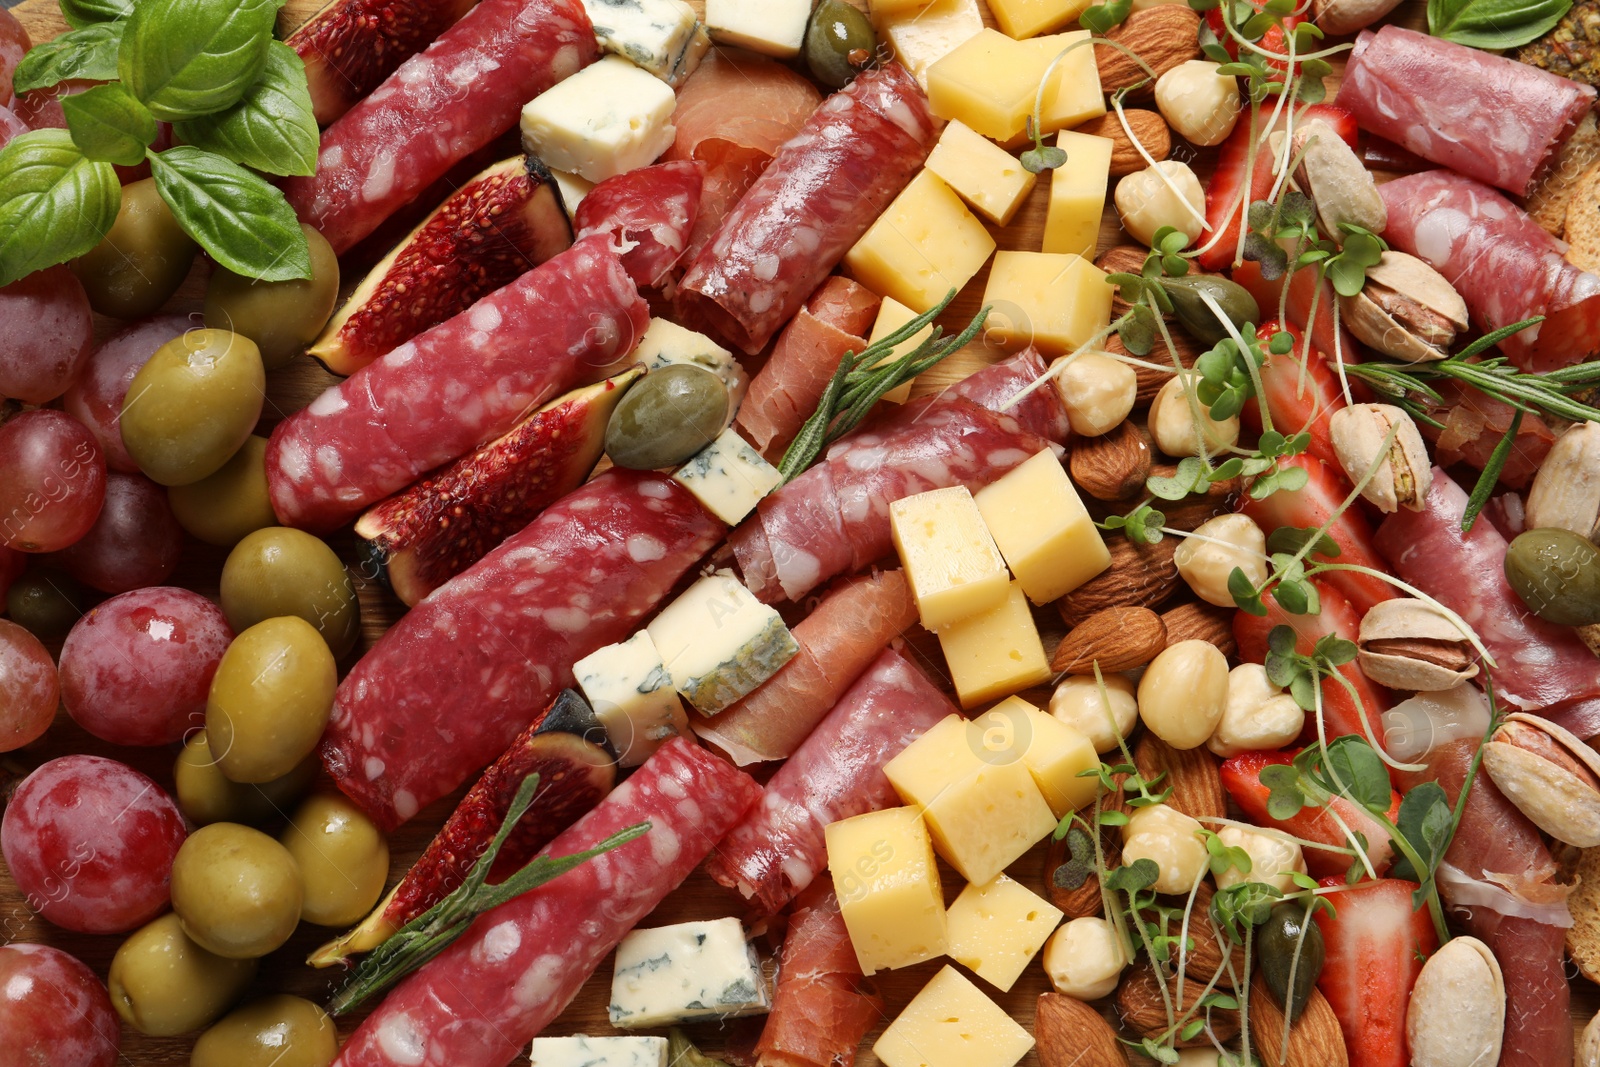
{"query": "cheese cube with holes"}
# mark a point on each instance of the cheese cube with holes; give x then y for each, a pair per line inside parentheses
(599, 1052)
(950, 560)
(926, 244)
(922, 37)
(609, 118)
(729, 477)
(632, 695)
(1078, 194)
(1054, 752)
(1027, 18)
(1044, 532)
(988, 82)
(1074, 94)
(1056, 302)
(662, 36)
(719, 642)
(977, 796)
(772, 27)
(996, 929)
(888, 887)
(951, 1023)
(891, 316)
(696, 970)
(995, 653)
(984, 174)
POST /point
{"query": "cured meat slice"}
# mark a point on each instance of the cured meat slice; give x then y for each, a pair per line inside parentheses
(453, 387)
(996, 387)
(1503, 264)
(837, 773)
(1474, 424)
(838, 640)
(451, 684)
(1539, 664)
(481, 1001)
(647, 213)
(441, 105)
(1482, 115)
(822, 1006)
(826, 185)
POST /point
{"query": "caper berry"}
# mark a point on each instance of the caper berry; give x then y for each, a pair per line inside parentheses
(840, 43)
(1234, 300)
(1289, 934)
(671, 414)
(1557, 574)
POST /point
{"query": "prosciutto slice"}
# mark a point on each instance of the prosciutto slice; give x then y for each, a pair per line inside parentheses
(1474, 424)
(822, 1006)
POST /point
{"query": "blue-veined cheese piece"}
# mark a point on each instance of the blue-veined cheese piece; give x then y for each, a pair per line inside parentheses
(599, 1052)
(666, 343)
(609, 118)
(729, 477)
(662, 36)
(772, 27)
(719, 642)
(633, 697)
(696, 970)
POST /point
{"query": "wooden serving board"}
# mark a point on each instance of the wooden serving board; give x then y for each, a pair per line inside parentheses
(290, 389)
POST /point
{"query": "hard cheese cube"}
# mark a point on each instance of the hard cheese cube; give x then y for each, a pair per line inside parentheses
(719, 642)
(996, 929)
(1060, 301)
(729, 477)
(1043, 530)
(891, 316)
(599, 1052)
(984, 174)
(924, 245)
(979, 802)
(1025, 18)
(950, 560)
(1077, 194)
(888, 887)
(988, 82)
(609, 118)
(771, 27)
(572, 187)
(662, 36)
(1074, 94)
(923, 37)
(632, 695)
(697, 970)
(996, 653)
(952, 1024)
(1054, 752)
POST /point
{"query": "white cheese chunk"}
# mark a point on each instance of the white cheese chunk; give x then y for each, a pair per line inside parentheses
(632, 695)
(599, 1052)
(661, 36)
(729, 477)
(573, 188)
(666, 343)
(609, 118)
(719, 642)
(772, 27)
(695, 970)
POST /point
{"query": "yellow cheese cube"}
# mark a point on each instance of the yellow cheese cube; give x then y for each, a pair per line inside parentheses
(997, 929)
(924, 245)
(921, 38)
(995, 654)
(1078, 194)
(1055, 752)
(988, 83)
(1043, 530)
(1025, 18)
(1074, 94)
(951, 562)
(885, 8)
(952, 1024)
(891, 316)
(888, 887)
(1057, 302)
(981, 804)
(986, 175)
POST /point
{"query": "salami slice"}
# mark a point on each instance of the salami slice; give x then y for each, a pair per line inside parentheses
(837, 773)
(1482, 115)
(1475, 423)
(441, 105)
(481, 1001)
(826, 185)
(1502, 263)
(822, 1006)
(450, 685)
(647, 213)
(453, 387)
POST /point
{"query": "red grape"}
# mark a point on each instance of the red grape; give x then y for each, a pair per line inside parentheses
(46, 329)
(95, 399)
(14, 44)
(41, 108)
(53, 1010)
(134, 543)
(55, 481)
(12, 564)
(29, 688)
(10, 125)
(136, 669)
(90, 843)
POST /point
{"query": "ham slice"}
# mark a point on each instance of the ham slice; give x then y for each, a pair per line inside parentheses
(822, 1006)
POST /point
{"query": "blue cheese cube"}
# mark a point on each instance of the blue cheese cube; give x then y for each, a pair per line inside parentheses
(666, 343)
(661, 36)
(632, 695)
(609, 118)
(729, 477)
(599, 1052)
(719, 642)
(676, 974)
(774, 28)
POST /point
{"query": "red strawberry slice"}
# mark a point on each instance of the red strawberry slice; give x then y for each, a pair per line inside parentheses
(1303, 293)
(1301, 391)
(1271, 41)
(1373, 950)
(1241, 777)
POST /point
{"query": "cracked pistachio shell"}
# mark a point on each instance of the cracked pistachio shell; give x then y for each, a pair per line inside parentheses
(1408, 619)
(1552, 777)
(1405, 474)
(1457, 1013)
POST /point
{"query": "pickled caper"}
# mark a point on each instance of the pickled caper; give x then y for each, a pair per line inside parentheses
(1290, 942)
(1234, 300)
(840, 43)
(670, 415)
(1557, 574)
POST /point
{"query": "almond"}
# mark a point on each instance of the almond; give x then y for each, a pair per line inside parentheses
(1151, 381)
(1140, 576)
(1163, 36)
(1201, 622)
(1148, 128)
(1315, 1040)
(1072, 1034)
(1191, 774)
(1118, 639)
(1112, 466)
(1143, 1010)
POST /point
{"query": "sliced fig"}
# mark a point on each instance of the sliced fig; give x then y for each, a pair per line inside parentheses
(507, 219)
(422, 537)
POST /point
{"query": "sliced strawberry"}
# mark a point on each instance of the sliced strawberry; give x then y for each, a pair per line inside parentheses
(1303, 292)
(1272, 41)
(1373, 950)
(1241, 777)
(1302, 393)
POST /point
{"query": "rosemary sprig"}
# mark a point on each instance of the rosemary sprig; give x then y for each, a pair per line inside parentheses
(430, 933)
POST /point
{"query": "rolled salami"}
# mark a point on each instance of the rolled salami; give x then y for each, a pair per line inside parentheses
(822, 1006)
(647, 213)
(481, 1001)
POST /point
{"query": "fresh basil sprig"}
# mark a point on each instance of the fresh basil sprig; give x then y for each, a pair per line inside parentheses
(271, 128)
(1494, 24)
(81, 13)
(187, 58)
(242, 221)
(108, 125)
(89, 53)
(55, 203)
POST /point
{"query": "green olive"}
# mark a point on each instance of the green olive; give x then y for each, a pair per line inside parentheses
(280, 317)
(142, 259)
(47, 602)
(1234, 300)
(206, 795)
(1557, 574)
(162, 983)
(840, 43)
(1277, 945)
(343, 858)
(236, 890)
(671, 414)
(222, 507)
(270, 699)
(192, 406)
(275, 1031)
(279, 571)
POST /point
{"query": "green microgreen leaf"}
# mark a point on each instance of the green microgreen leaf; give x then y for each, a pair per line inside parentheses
(1079, 866)
(1130, 878)
(1426, 822)
(1043, 158)
(1102, 18)
(1293, 539)
(1190, 477)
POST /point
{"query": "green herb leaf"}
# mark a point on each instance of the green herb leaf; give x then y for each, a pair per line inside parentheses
(244, 223)
(1354, 770)
(1292, 539)
(1140, 874)
(1079, 867)
(682, 1053)
(55, 204)
(81, 13)
(1284, 798)
(90, 53)
(1245, 595)
(1190, 477)
(1102, 18)
(1043, 158)
(272, 128)
(1494, 24)
(187, 58)
(1491, 474)
(108, 125)
(1426, 822)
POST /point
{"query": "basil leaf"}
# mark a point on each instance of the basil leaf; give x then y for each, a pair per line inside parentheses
(1494, 24)
(87, 53)
(82, 13)
(272, 129)
(108, 125)
(187, 58)
(54, 204)
(241, 221)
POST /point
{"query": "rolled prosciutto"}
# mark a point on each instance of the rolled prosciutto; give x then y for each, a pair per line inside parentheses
(822, 1006)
